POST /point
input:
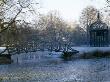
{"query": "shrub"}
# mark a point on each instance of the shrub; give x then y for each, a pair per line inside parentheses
(95, 54)
(66, 56)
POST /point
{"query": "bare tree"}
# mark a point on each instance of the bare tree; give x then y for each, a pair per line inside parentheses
(11, 9)
(89, 15)
(53, 29)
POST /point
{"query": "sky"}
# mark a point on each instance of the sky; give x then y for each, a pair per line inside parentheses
(70, 9)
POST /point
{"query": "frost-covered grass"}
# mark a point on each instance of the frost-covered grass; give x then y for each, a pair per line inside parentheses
(91, 70)
(38, 67)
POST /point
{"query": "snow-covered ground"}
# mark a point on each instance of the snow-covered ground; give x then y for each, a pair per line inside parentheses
(35, 56)
(56, 70)
(90, 49)
(2, 49)
(45, 66)
(81, 49)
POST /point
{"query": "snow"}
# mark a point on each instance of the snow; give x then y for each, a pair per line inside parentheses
(90, 49)
(35, 56)
(39, 55)
(2, 49)
(44, 66)
(55, 54)
(52, 70)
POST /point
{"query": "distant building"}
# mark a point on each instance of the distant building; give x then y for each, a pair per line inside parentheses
(98, 33)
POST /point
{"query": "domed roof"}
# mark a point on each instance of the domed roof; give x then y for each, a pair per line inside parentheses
(98, 25)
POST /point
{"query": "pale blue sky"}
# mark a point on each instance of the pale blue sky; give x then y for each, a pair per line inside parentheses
(70, 9)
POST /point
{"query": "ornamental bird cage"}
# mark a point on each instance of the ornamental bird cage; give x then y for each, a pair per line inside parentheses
(98, 32)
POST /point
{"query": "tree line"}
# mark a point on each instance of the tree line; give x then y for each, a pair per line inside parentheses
(49, 30)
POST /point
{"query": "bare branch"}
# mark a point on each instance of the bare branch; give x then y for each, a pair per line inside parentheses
(11, 22)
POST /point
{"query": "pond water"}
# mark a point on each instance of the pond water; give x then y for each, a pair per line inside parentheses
(32, 68)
